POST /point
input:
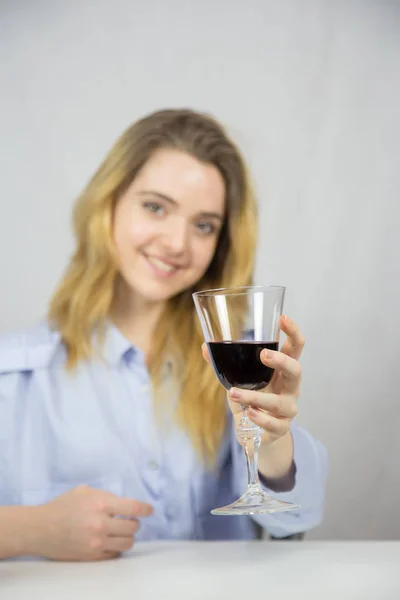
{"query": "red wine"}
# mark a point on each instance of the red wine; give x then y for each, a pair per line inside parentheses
(239, 364)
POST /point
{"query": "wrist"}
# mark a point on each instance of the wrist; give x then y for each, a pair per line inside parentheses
(20, 531)
(275, 460)
(32, 538)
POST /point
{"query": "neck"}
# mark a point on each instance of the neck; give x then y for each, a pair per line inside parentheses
(136, 318)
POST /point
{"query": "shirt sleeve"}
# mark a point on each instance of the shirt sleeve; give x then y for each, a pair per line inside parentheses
(20, 354)
(10, 384)
(311, 466)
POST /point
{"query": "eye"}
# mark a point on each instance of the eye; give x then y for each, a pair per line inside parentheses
(206, 228)
(155, 208)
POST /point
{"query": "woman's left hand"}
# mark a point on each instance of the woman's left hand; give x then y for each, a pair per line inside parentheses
(273, 408)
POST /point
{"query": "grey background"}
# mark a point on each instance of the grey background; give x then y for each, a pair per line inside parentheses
(311, 91)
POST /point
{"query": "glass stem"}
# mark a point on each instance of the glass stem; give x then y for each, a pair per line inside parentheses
(249, 432)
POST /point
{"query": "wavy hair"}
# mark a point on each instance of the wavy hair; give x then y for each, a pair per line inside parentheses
(83, 300)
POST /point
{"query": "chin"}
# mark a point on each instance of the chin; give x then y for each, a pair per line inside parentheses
(154, 296)
(158, 291)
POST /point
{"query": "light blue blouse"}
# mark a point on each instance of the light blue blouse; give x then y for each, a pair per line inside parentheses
(95, 425)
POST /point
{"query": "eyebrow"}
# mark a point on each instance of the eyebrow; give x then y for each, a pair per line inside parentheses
(209, 215)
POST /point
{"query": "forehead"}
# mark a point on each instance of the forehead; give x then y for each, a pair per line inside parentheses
(185, 179)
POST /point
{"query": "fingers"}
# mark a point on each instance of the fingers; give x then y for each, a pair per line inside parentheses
(119, 544)
(205, 352)
(112, 535)
(295, 340)
(289, 368)
(126, 507)
(274, 426)
(109, 555)
(279, 405)
(122, 527)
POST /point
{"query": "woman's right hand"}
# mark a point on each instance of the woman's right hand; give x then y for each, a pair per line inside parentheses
(84, 525)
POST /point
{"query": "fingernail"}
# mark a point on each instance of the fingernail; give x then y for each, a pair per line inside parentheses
(268, 355)
(285, 319)
(147, 510)
(235, 393)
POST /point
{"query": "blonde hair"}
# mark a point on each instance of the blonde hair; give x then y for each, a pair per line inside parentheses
(84, 298)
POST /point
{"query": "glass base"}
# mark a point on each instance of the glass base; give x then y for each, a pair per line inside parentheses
(255, 502)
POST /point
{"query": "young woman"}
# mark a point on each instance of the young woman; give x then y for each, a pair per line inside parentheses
(107, 409)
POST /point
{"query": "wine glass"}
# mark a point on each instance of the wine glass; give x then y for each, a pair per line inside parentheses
(238, 323)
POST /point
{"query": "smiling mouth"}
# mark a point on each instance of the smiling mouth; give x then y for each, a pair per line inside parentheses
(162, 266)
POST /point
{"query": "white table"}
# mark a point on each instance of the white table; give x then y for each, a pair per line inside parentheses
(217, 570)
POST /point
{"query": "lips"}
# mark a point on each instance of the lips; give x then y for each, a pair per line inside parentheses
(160, 267)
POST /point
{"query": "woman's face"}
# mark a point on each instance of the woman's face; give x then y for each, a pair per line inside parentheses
(167, 224)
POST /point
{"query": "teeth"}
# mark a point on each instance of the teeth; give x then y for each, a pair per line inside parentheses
(161, 265)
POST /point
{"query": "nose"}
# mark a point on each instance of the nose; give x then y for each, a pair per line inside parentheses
(176, 236)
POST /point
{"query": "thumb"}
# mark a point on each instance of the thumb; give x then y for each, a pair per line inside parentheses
(205, 352)
(127, 507)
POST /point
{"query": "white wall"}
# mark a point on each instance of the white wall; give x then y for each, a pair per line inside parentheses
(311, 90)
